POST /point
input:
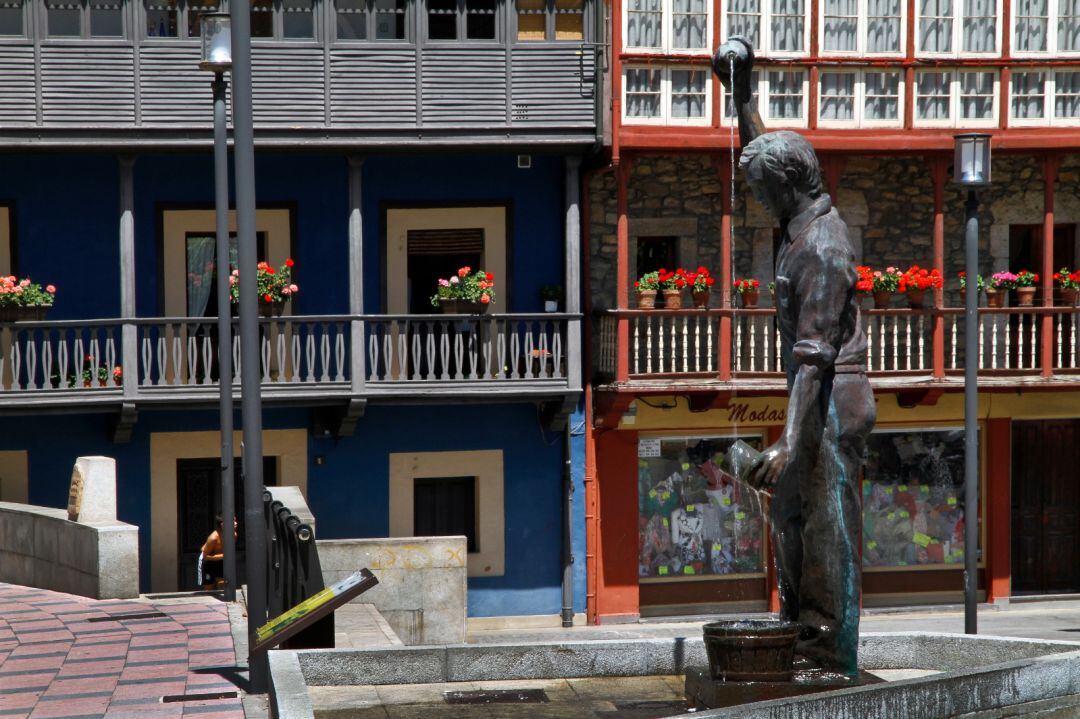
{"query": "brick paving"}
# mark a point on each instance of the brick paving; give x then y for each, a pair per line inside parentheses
(68, 656)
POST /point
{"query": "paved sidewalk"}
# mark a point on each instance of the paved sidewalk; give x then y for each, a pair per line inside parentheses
(68, 656)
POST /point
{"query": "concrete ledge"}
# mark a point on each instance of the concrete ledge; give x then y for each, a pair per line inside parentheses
(288, 693)
(40, 547)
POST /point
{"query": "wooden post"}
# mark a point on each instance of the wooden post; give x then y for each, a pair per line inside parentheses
(997, 576)
(357, 364)
(1051, 163)
(726, 240)
(938, 169)
(129, 346)
(622, 268)
(573, 270)
(833, 168)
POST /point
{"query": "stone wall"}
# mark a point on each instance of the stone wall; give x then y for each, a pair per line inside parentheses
(40, 547)
(887, 202)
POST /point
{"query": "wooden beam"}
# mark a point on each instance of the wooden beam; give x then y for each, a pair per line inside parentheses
(572, 244)
(939, 166)
(726, 279)
(129, 339)
(622, 268)
(1050, 165)
(997, 454)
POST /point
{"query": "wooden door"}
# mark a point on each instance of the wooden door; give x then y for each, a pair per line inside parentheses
(1045, 506)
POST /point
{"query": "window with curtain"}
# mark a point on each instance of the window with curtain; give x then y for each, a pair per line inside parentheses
(755, 83)
(688, 94)
(643, 87)
(785, 94)
(837, 96)
(1068, 26)
(370, 19)
(84, 18)
(11, 19)
(644, 22)
(935, 25)
(980, 26)
(977, 95)
(539, 20)
(744, 18)
(883, 23)
(933, 96)
(881, 101)
(1032, 25)
(1067, 95)
(689, 24)
(786, 24)
(841, 28)
(1028, 95)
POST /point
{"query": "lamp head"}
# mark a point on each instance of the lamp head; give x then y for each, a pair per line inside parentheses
(216, 42)
(971, 163)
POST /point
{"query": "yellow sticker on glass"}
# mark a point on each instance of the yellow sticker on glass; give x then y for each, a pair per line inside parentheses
(690, 508)
(902, 488)
(923, 540)
(740, 515)
(871, 544)
(687, 570)
(726, 501)
(951, 501)
(685, 466)
(652, 493)
(662, 571)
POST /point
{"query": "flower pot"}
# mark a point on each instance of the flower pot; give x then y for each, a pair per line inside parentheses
(916, 299)
(749, 298)
(995, 298)
(673, 299)
(462, 307)
(646, 299)
(1025, 296)
(1069, 296)
(701, 299)
(551, 305)
(882, 299)
(33, 313)
(271, 309)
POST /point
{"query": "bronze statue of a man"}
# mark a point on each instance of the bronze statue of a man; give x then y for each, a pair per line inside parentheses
(813, 469)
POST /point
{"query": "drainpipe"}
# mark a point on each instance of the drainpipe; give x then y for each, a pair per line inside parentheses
(567, 533)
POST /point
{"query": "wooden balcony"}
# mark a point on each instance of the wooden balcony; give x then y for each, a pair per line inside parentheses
(74, 365)
(727, 349)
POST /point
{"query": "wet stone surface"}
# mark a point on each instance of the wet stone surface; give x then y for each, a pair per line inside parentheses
(602, 698)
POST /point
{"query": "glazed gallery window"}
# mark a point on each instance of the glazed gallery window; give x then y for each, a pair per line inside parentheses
(539, 20)
(913, 507)
(952, 27)
(956, 98)
(860, 99)
(1046, 26)
(693, 521)
(775, 27)
(176, 18)
(666, 95)
(283, 19)
(84, 18)
(12, 18)
(781, 97)
(862, 27)
(676, 26)
(1045, 97)
(370, 19)
(461, 20)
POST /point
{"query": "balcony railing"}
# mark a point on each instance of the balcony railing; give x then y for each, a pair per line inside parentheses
(301, 357)
(737, 344)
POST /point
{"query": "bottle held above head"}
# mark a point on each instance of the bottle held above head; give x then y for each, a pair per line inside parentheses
(733, 64)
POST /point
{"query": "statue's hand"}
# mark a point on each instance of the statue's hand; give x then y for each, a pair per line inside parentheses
(767, 468)
(739, 49)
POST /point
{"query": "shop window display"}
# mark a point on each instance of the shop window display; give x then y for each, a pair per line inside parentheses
(913, 499)
(693, 519)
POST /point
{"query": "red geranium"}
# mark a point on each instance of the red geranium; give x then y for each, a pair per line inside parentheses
(746, 285)
(918, 278)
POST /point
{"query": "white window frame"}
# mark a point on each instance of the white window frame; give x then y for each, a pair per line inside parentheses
(958, 34)
(761, 95)
(860, 34)
(1051, 36)
(667, 32)
(765, 16)
(859, 120)
(1049, 119)
(666, 117)
(954, 119)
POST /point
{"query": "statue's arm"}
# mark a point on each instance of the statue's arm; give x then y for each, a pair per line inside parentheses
(738, 54)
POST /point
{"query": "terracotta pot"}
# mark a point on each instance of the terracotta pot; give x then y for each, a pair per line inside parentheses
(271, 309)
(646, 299)
(701, 298)
(916, 299)
(1025, 296)
(994, 298)
(462, 307)
(673, 299)
(882, 299)
(1069, 296)
(749, 298)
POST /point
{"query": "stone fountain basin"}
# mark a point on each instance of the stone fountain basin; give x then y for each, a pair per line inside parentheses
(977, 673)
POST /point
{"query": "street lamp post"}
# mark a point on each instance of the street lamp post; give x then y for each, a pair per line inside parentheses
(971, 169)
(217, 57)
(250, 360)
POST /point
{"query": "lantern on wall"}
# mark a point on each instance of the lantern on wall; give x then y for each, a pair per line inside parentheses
(971, 164)
(216, 42)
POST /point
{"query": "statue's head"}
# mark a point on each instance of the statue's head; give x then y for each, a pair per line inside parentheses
(782, 170)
